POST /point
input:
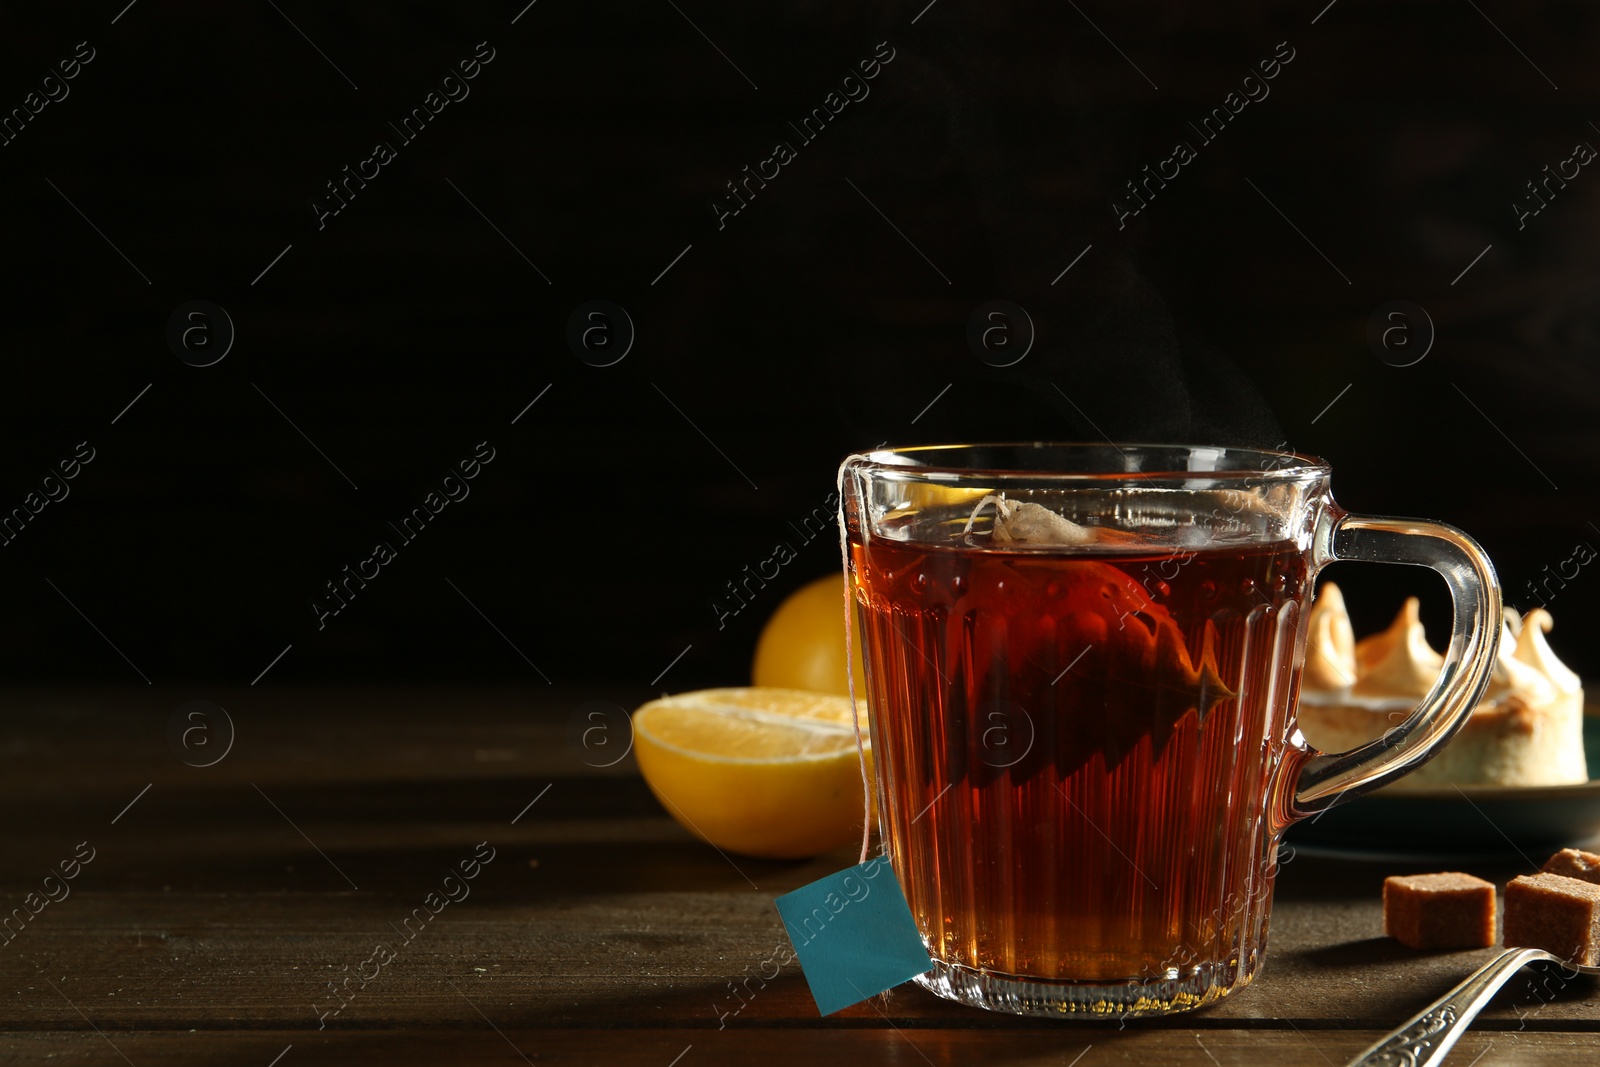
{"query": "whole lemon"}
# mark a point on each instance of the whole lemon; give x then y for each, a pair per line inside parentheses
(802, 645)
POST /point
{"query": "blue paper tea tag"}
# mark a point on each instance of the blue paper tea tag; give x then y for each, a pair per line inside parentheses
(854, 934)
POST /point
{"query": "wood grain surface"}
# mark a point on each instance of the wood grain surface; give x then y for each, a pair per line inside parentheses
(220, 905)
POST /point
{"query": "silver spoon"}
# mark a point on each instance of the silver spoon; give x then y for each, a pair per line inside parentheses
(1430, 1034)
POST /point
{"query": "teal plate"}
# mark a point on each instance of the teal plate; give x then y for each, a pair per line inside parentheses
(1472, 821)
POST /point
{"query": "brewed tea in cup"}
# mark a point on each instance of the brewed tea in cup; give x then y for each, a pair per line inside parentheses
(1082, 663)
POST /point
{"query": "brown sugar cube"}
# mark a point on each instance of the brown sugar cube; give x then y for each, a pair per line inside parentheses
(1448, 910)
(1558, 914)
(1574, 863)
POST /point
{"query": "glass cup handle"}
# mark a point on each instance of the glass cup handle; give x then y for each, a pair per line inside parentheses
(1327, 779)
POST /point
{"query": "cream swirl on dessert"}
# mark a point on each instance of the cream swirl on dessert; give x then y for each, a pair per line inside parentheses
(1398, 662)
(1526, 729)
(1513, 677)
(1533, 650)
(1330, 643)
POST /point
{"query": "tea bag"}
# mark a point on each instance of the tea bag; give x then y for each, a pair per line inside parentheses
(1033, 524)
(1122, 631)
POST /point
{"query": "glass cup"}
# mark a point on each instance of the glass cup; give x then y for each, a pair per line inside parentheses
(1082, 664)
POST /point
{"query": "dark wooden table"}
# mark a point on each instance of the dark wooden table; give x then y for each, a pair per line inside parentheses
(221, 902)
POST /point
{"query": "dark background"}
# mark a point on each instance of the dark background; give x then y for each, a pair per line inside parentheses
(408, 330)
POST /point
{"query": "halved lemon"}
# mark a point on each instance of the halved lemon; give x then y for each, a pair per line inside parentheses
(760, 771)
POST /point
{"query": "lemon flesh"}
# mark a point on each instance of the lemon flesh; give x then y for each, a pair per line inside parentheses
(760, 771)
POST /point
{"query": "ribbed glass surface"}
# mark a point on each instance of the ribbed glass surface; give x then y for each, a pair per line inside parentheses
(1075, 757)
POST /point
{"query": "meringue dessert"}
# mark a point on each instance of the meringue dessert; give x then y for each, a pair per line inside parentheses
(1526, 730)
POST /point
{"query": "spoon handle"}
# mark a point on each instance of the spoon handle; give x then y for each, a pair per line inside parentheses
(1426, 1037)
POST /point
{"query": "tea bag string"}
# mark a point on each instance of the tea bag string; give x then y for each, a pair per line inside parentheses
(850, 676)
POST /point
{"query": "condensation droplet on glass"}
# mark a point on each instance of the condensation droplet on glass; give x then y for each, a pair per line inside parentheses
(1247, 586)
(919, 582)
(1208, 589)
